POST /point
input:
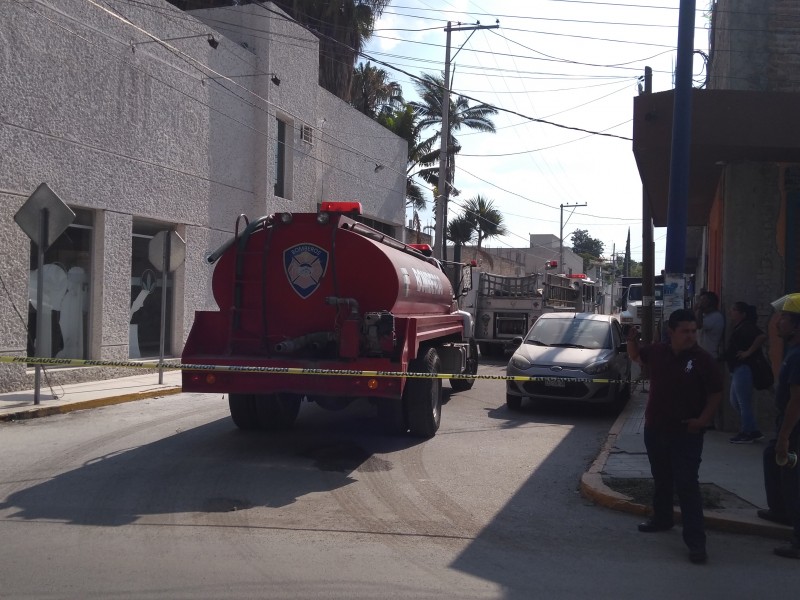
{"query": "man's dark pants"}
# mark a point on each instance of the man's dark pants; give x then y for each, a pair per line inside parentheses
(782, 486)
(675, 465)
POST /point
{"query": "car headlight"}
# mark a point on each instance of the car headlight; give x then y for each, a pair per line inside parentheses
(520, 362)
(601, 366)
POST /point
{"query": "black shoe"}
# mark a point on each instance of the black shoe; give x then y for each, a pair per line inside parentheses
(698, 557)
(768, 515)
(790, 551)
(652, 526)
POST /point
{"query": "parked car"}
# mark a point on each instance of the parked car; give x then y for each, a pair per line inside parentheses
(580, 357)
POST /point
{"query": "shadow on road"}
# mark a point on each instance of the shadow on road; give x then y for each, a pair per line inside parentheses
(212, 468)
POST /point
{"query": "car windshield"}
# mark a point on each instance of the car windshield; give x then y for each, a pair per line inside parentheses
(570, 333)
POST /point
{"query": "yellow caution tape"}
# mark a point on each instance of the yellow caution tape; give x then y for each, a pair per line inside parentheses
(75, 362)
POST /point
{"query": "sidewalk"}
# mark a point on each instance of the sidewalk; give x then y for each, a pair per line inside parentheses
(735, 469)
(16, 406)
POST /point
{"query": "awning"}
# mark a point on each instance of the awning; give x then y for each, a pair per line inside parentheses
(727, 126)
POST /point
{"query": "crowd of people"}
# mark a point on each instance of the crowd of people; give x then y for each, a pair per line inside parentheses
(686, 387)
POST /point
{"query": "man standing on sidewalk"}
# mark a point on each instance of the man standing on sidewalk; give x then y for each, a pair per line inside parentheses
(781, 478)
(685, 392)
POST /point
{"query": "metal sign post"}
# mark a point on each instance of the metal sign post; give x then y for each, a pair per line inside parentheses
(37, 349)
(43, 216)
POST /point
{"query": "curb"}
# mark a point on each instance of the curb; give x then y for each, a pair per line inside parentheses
(592, 487)
(46, 411)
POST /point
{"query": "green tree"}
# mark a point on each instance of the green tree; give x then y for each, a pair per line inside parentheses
(486, 220)
(460, 231)
(583, 243)
(461, 115)
(404, 123)
(342, 26)
(373, 93)
(586, 247)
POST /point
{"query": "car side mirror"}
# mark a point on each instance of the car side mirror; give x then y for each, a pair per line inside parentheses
(516, 341)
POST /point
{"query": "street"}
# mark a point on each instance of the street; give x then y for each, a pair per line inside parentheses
(165, 498)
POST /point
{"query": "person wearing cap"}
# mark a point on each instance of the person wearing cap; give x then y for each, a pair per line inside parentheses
(781, 477)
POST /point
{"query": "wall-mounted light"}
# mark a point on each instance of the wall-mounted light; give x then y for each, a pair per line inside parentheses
(275, 79)
(212, 41)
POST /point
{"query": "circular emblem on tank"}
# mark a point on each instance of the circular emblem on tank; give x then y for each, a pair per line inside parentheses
(305, 265)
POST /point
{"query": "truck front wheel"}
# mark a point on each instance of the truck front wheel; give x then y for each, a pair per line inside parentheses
(422, 397)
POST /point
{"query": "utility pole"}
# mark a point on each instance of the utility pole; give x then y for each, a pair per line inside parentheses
(648, 249)
(561, 235)
(442, 190)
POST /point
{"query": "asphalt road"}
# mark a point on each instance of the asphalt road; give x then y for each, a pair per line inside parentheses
(165, 498)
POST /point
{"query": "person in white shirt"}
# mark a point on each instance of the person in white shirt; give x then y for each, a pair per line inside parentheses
(710, 323)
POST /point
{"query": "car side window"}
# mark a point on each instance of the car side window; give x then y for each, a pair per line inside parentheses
(616, 332)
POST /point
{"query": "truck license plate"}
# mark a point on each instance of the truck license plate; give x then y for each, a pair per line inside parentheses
(559, 383)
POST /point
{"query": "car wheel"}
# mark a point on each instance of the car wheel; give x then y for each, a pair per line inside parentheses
(513, 402)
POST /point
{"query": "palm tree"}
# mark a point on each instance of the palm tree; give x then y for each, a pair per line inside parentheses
(342, 26)
(429, 109)
(486, 220)
(373, 92)
(404, 123)
(460, 231)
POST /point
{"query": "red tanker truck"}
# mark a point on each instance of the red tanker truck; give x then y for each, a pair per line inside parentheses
(322, 291)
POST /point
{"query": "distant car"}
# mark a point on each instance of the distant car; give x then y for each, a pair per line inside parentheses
(581, 357)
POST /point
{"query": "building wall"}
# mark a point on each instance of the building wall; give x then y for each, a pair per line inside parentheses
(150, 137)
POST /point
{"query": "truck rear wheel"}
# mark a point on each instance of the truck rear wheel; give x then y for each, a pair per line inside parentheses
(392, 416)
(462, 385)
(277, 411)
(422, 397)
(243, 410)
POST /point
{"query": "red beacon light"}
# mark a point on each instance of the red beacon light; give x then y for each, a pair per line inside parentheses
(351, 207)
(424, 249)
(551, 264)
(577, 275)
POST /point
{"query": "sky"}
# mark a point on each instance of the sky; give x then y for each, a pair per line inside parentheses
(568, 62)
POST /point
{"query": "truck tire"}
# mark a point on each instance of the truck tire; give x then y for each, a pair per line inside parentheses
(462, 385)
(277, 411)
(423, 397)
(243, 411)
(392, 416)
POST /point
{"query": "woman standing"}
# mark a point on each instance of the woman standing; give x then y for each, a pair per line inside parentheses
(746, 339)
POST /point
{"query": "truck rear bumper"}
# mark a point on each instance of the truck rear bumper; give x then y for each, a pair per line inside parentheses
(347, 382)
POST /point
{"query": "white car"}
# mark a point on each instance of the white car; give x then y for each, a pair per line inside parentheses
(576, 357)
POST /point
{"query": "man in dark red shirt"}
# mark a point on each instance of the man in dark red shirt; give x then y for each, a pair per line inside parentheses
(685, 392)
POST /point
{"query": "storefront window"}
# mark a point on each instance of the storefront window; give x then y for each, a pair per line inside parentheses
(65, 303)
(146, 294)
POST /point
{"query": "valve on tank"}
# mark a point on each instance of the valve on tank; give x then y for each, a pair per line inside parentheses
(379, 333)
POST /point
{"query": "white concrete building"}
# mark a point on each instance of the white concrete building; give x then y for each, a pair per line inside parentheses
(222, 118)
